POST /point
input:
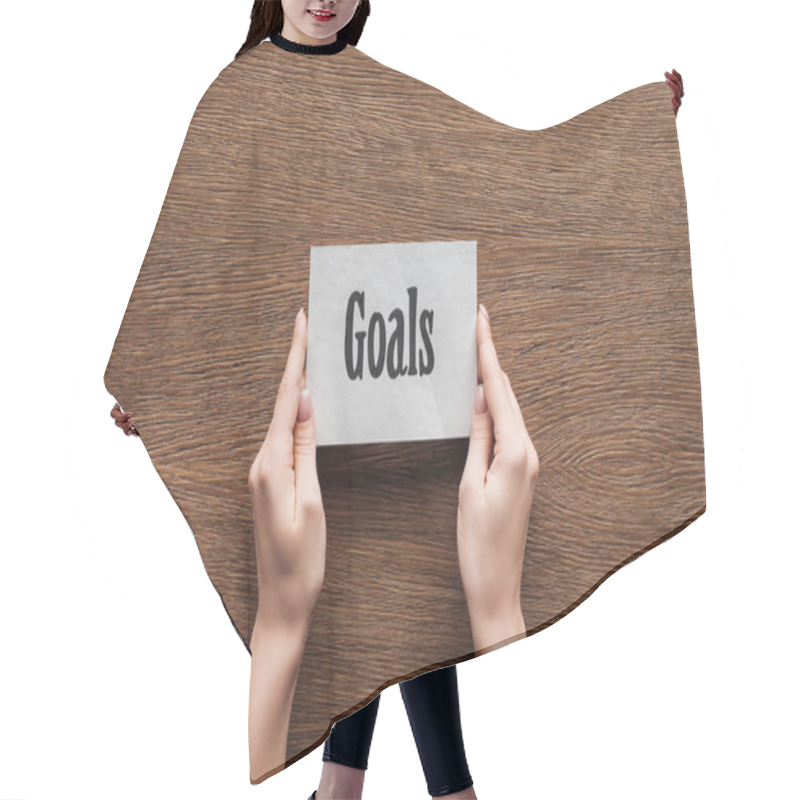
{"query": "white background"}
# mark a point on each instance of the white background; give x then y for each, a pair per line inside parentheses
(120, 674)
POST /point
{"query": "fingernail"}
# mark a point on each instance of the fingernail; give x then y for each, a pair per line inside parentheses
(304, 410)
(484, 311)
(480, 400)
(299, 314)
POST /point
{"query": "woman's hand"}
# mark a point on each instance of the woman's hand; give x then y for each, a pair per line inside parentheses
(287, 501)
(290, 539)
(122, 419)
(675, 82)
(494, 501)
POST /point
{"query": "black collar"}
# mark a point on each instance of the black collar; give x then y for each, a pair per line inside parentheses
(316, 49)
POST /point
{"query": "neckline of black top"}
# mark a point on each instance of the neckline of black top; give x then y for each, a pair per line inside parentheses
(315, 49)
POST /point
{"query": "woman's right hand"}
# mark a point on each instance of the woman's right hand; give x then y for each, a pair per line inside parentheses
(494, 501)
(122, 419)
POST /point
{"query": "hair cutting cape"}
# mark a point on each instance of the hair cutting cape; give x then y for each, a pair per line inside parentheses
(583, 263)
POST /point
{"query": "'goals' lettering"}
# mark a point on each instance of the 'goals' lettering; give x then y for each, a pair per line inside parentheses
(379, 355)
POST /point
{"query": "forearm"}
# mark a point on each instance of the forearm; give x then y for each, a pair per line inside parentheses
(276, 656)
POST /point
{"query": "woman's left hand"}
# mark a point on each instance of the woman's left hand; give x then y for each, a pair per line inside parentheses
(675, 82)
(494, 501)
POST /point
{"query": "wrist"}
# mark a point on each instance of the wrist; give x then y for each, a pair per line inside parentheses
(277, 653)
(492, 627)
(273, 630)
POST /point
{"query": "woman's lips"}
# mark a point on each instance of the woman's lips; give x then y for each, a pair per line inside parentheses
(321, 15)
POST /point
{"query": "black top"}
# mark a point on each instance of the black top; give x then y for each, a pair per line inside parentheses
(315, 49)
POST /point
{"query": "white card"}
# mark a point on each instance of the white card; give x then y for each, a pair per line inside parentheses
(391, 341)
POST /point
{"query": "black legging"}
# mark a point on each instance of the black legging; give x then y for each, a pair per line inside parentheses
(432, 706)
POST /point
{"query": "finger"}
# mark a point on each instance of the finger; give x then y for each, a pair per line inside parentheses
(285, 413)
(522, 428)
(122, 419)
(676, 81)
(307, 492)
(523, 434)
(676, 92)
(118, 413)
(481, 310)
(481, 441)
(516, 446)
(497, 397)
(675, 89)
(276, 456)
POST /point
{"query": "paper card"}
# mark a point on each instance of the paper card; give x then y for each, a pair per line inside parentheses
(391, 341)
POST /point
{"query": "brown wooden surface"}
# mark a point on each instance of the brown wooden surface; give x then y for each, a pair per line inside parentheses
(583, 263)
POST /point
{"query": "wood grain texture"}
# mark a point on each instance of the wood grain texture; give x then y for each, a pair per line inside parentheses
(583, 263)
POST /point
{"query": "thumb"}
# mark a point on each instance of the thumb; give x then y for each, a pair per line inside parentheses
(480, 442)
(305, 451)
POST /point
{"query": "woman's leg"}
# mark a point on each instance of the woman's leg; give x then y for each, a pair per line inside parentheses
(432, 704)
(346, 753)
